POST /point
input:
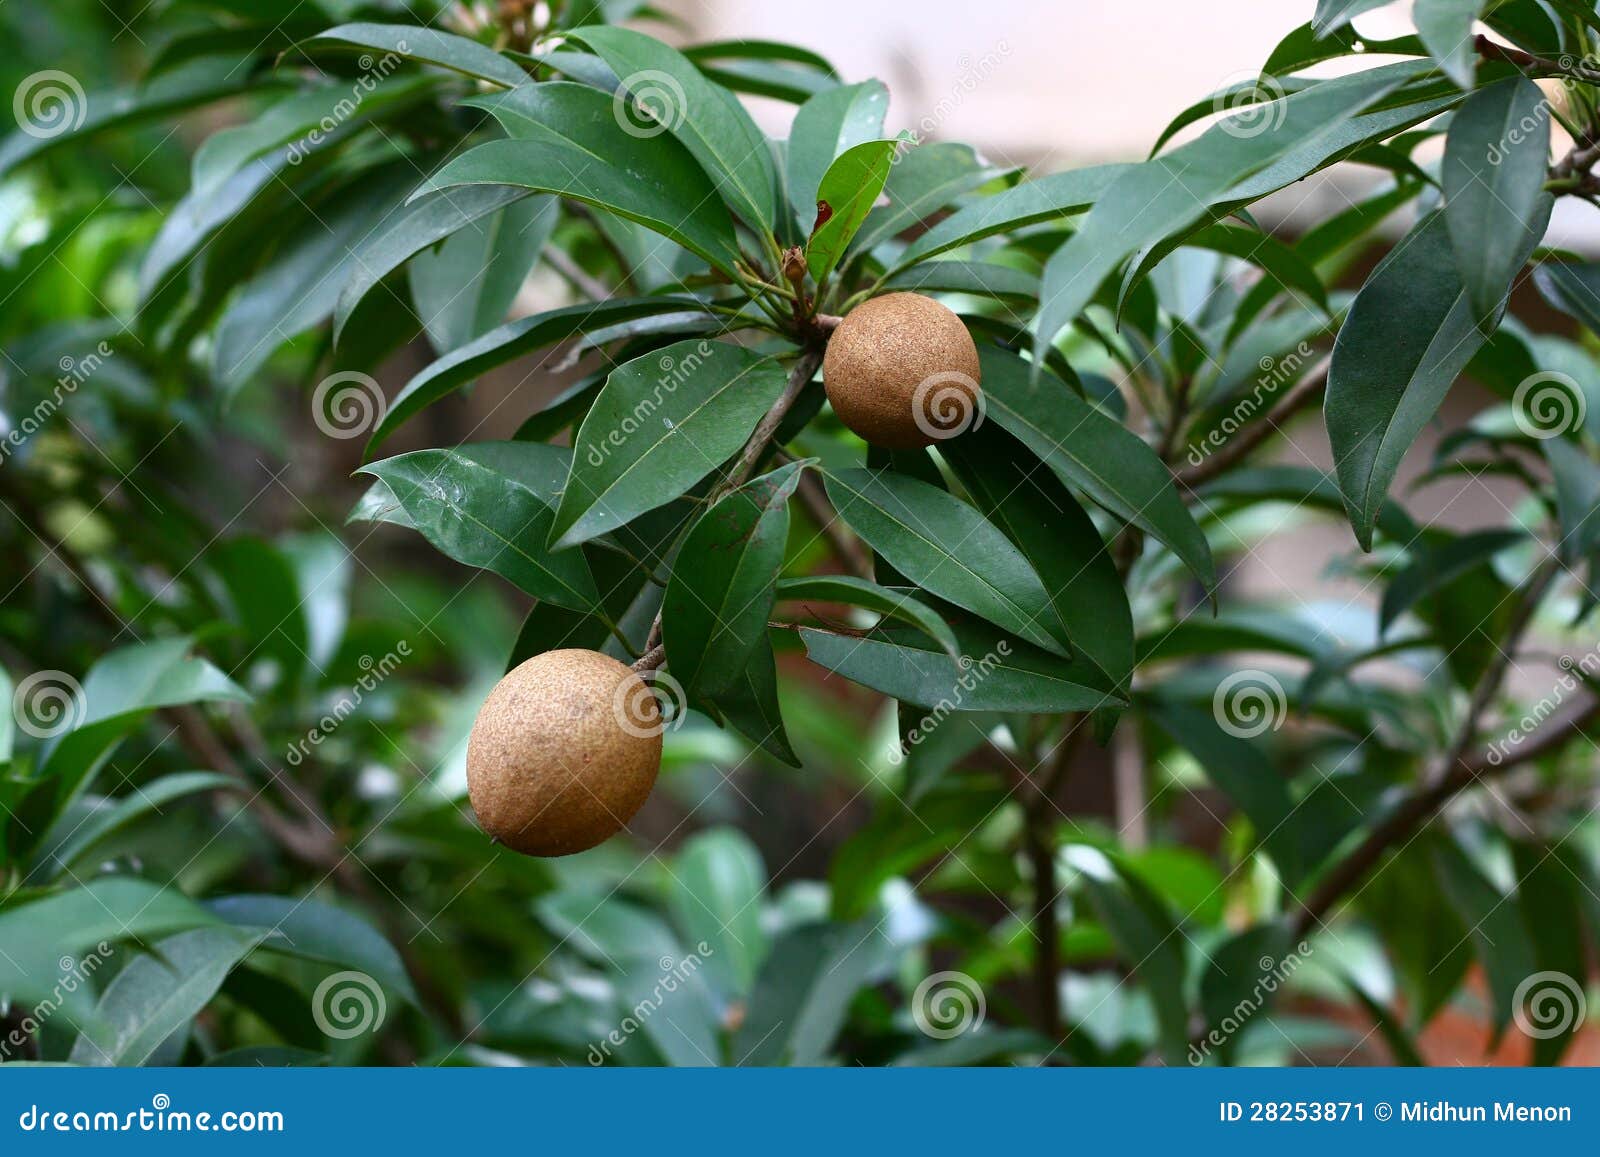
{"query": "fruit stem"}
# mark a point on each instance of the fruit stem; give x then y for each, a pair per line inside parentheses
(651, 659)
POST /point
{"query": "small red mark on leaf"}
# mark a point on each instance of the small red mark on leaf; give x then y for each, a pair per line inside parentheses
(824, 212)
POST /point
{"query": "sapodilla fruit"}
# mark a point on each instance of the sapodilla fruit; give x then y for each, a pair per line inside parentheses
(564, 751)
(902, 372)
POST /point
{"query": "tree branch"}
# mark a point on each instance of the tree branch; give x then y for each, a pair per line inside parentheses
(1460, 770)
(1241, 444)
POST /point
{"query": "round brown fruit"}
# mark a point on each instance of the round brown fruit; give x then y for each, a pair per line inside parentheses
(902, 372)
(563, 753)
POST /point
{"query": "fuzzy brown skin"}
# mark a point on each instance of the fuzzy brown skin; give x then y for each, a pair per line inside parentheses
(880, 354)
(550, 768)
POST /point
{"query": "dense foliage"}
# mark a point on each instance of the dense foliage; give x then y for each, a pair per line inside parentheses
(973, 752)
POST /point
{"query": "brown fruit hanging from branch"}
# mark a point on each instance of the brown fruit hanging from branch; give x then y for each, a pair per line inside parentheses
(902, 372)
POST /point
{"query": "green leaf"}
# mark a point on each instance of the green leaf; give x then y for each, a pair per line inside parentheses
(662, 423)
(804, 991)
(982, 279)
(1243, 773)
(855, 592)
(1406, 337)
(1435, 565)
(1446, 28)
(155, 996)
(60, 114)
(1241, 977)
(750, 704)
(1047, 198)
(513, 340)
(921, 183)
(1173, 192)
(76, 836)
(491, 505)
(717, 881)
(848, 191)
(947, 547)
(825, 126)
(1147, 937)
(993, 673)
(720, 595)
(1493, 175)
(1333, 14)
(425, 46)
(706, 117)
(295, 117)
(411, 230)
(1573, 288)
(300, 286)
(464, 288)
(313, 930)
(1087, 449)
(1577, 480)
(1058, 538)
(1494, 925)
(108, 909)
(569, 143)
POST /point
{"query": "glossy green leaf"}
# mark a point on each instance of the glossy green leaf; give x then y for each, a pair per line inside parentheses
(411, 230)
(804, 991)
(1493, 175)
(1089, 450)
(994, 673)
(313, 930)
(674, 96)
(924, 181)
(1040, 515)
(510, 341)
(1409, 334)
(155, 996)
(1572, 287)
(982, 279)
(76, 836)
(1494, 925)
(720, 595)
(749, 704)
(464, 287)
(824, 127)
(848, 191)
(1173, 192)
(662, 423)
(425, 46)
(947, 547)
(856, 592)
(491, 505)
(570, 143)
